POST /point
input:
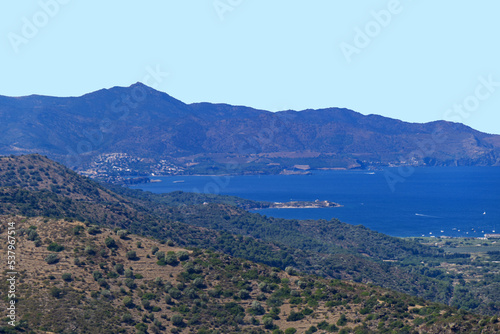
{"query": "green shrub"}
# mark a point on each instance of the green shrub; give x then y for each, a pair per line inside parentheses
(97, 275)
(311, 330)
(142, 327)
(131, 255)
(110, 243)
(268, 322)
(257, 308)
(67, 277)
(130, 283)
(127, 317)
(342, 320)
(243, 294)
(32, 234)
(290, 330)
(171, 259)
(294, 316)
(93, 230)
(175, 293)
(307, 311)
(177, 320)
(55, 247)
(200, 283)
(56, 292)
(129, 273)
(183, 256)
(89, 250)
(122, 234)
(128, 302)
(51, 259)
(160, 255)
(102, 282)
(119, 268)
(77, 230)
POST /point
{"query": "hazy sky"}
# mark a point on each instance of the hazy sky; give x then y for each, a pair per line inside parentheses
(413, 60)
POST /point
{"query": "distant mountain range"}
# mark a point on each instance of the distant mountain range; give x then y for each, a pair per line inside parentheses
(140, 130)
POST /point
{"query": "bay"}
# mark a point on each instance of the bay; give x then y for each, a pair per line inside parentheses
(425, 201)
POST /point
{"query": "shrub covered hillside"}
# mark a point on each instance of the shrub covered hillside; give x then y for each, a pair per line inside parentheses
(34, 186)
(78, 278)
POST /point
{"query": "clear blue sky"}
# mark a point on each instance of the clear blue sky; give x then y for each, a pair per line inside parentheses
(427, 60)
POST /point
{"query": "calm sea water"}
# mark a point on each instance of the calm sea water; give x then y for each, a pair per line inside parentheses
(450, 201)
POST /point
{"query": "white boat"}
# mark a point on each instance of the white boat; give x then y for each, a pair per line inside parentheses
(484, 213)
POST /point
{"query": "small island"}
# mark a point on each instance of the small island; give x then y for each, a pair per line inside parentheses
(300, 205)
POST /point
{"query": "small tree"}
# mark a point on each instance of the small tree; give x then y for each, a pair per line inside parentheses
(154, 250)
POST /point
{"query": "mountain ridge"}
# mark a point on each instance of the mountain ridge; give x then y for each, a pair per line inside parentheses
(155, 128)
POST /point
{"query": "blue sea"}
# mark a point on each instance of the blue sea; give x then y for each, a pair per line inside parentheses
(425, 201)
